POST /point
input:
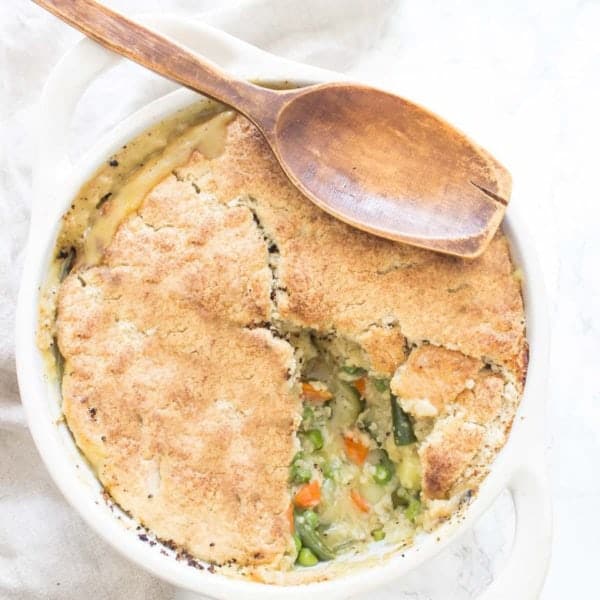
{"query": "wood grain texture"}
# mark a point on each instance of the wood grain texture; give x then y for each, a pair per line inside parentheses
(388, 166)
(369, 158)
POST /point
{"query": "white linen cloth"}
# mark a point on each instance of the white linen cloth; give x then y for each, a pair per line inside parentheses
(521, 77)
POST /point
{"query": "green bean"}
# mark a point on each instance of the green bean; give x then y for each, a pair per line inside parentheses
(297, 543)
(312, 540)
(311, 518)
(382, 473)
(403, 431)
(306, 558)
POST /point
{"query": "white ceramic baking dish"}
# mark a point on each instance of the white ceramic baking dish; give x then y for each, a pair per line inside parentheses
(519, 467)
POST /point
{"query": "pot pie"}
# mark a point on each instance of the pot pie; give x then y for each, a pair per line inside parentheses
(257, 383)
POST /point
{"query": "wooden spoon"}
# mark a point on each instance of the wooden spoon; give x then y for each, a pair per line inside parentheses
(369, 158)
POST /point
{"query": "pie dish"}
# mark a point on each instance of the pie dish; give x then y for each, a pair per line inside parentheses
(203, 297)
(242, 216)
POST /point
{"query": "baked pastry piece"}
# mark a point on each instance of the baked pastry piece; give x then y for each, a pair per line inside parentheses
(186, 343)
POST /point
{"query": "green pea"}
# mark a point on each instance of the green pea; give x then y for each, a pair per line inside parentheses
(315, 437)
(378, 534)
(297, 543)
(413, 510)
(381, 385)
(409, 502)
(306, 558)
(329, 470)
(311, 518)
(300, 474)
(382, 474)
(308, 414)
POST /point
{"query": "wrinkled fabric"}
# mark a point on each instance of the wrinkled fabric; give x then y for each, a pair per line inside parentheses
(520, 77)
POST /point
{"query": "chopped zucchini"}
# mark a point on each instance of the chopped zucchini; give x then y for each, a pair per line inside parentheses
(403, 431)
(347, 406)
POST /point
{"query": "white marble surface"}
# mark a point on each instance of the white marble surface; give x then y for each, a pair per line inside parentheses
(521, 76)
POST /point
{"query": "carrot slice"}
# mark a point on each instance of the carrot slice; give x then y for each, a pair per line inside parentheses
(355, 450)
(314, 394)
(308, 495)
(290, 516)
(359, 502)
(361, 386)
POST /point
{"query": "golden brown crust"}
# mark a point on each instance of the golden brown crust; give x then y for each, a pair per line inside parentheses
(179, 394)
(483, 403)
(446, 453)
(385, 348)
(432, 377)
(333, 276)
(172, 401)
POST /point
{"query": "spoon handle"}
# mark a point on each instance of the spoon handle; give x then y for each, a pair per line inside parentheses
(117, 33)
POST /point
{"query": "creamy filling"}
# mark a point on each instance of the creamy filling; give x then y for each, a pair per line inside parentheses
(357, 477)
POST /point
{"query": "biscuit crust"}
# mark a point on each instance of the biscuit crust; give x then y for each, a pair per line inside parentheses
(181, 392)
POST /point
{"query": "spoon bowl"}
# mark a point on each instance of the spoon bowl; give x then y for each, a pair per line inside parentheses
(386, 165)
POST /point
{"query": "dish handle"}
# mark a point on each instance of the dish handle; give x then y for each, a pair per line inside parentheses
(524, 574)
